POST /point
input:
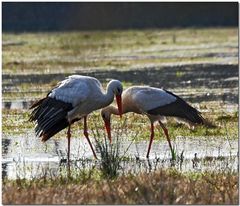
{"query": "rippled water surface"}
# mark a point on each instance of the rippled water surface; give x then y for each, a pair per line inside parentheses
(30, 158)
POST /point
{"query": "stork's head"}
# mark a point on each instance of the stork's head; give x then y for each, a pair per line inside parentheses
(116, 87)
(106, 116)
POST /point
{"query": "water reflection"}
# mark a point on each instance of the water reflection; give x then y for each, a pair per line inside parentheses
(27, 157)
(17, 104)
(5, 145)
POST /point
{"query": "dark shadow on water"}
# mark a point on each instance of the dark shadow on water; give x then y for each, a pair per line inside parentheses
(5, 145)
(208, 76)
(17, 104)
(4, 170)
(197, 75)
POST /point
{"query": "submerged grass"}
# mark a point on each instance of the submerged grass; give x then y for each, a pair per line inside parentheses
(160, 187)
(110, 152)
(110, 157)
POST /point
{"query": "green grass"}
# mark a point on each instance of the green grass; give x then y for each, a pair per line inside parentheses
(15, 122)
(63, 52)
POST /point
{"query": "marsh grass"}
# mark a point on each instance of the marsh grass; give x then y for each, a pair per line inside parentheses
(52, 52)
(110, 158)
(110, 153)
(15, 122)
(159, 187)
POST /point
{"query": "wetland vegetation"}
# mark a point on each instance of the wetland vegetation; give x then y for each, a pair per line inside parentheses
(161, 187)
(200, 65)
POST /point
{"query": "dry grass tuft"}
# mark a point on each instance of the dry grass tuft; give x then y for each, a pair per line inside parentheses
(161, 187)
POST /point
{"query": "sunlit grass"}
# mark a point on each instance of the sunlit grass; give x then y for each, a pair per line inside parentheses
(160, 187)
(61, 52)
(16, 122)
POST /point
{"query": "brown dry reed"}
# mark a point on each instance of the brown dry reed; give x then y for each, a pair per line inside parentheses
(160, 187)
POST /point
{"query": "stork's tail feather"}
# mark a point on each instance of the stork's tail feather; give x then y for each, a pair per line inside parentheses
(180, 109)
(209, 124)
(193, 115)
(54, 130)
(36, 103)
(187, 112)
(50, 116)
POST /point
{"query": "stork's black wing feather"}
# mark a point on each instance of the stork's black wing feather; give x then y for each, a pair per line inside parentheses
(50, 116)
(178, 108)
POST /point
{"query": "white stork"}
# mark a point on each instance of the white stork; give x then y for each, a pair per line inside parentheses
(72, 99)
(156, 104)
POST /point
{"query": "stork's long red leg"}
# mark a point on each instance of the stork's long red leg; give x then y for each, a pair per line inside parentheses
(151, 139)
(68, 137)
(86, 135)
(166, 134)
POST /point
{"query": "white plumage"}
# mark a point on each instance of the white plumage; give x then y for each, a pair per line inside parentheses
(147, 98)
(156, 104)
(72, 99)
(74, 89)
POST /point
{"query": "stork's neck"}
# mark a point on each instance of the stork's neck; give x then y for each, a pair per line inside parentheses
(113, 110)
(108, 97)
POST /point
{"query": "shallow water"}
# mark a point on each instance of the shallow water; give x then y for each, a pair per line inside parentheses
(27, 157)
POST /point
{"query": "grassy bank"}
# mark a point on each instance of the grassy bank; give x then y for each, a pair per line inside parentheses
(161, 187)
(40, 53)
(15, 122)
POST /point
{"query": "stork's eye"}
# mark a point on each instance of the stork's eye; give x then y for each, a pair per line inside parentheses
(118, 90)
(103, 116)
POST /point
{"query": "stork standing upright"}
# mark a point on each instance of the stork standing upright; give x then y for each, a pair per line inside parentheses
(156, 104)
(72, 99)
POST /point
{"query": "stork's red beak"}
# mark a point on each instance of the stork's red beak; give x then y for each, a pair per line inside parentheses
(108, 128)
(119, 104)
